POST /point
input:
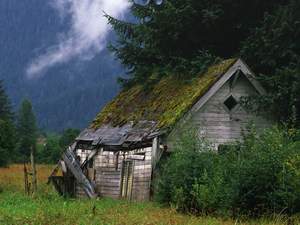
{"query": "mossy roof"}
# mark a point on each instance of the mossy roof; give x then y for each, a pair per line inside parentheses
(165, 103)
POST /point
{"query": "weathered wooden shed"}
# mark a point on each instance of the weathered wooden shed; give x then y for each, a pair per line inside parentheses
(117, 155)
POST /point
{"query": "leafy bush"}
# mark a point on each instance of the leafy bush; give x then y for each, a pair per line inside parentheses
(265, 182)
(259, 175)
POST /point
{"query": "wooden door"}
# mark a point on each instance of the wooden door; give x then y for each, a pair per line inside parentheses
(127, 179)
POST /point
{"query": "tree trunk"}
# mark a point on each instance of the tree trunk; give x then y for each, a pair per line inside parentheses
(34, 180)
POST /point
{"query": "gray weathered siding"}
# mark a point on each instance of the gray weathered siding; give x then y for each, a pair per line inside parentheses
(107, 168)
(108, 174)
(218, 124)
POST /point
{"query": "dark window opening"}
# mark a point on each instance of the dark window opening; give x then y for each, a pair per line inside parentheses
(230, 103)
(140, 153)
(78, 158)
(227, 148)
(91, 163)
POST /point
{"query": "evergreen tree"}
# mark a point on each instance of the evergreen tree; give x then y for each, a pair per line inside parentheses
(274, 43)
(7, 131)
(179, 36)
(5, 106)
(273, 50)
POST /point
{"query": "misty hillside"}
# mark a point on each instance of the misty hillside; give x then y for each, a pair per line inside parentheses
(68, 95)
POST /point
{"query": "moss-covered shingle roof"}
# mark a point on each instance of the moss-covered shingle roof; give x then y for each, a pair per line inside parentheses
(165, 103)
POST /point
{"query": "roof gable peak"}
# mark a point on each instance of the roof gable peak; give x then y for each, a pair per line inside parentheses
(239, 65)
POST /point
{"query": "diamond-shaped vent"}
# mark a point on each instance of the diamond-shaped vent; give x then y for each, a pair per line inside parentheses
(230, 102)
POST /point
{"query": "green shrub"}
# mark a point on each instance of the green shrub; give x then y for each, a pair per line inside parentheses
(186, 172)
(264, 182)
(259, 175)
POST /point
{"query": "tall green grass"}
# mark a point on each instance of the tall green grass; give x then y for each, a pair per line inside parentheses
(44, 209)
(47, 207)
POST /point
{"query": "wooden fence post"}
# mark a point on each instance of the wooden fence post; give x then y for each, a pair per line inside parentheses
(26, 185)
(34, 180)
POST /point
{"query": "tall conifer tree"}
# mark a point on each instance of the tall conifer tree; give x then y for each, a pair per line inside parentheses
(7, 131)
(183, 36)
(273, 51)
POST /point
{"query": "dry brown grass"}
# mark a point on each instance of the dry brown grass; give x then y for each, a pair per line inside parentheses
(12, 177)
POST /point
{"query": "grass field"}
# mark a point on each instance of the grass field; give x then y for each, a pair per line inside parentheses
(47, 207)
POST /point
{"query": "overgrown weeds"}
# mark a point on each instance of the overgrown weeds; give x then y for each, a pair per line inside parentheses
(255, 177)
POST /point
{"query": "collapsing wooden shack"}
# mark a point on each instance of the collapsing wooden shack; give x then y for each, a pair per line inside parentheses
(117, 155)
